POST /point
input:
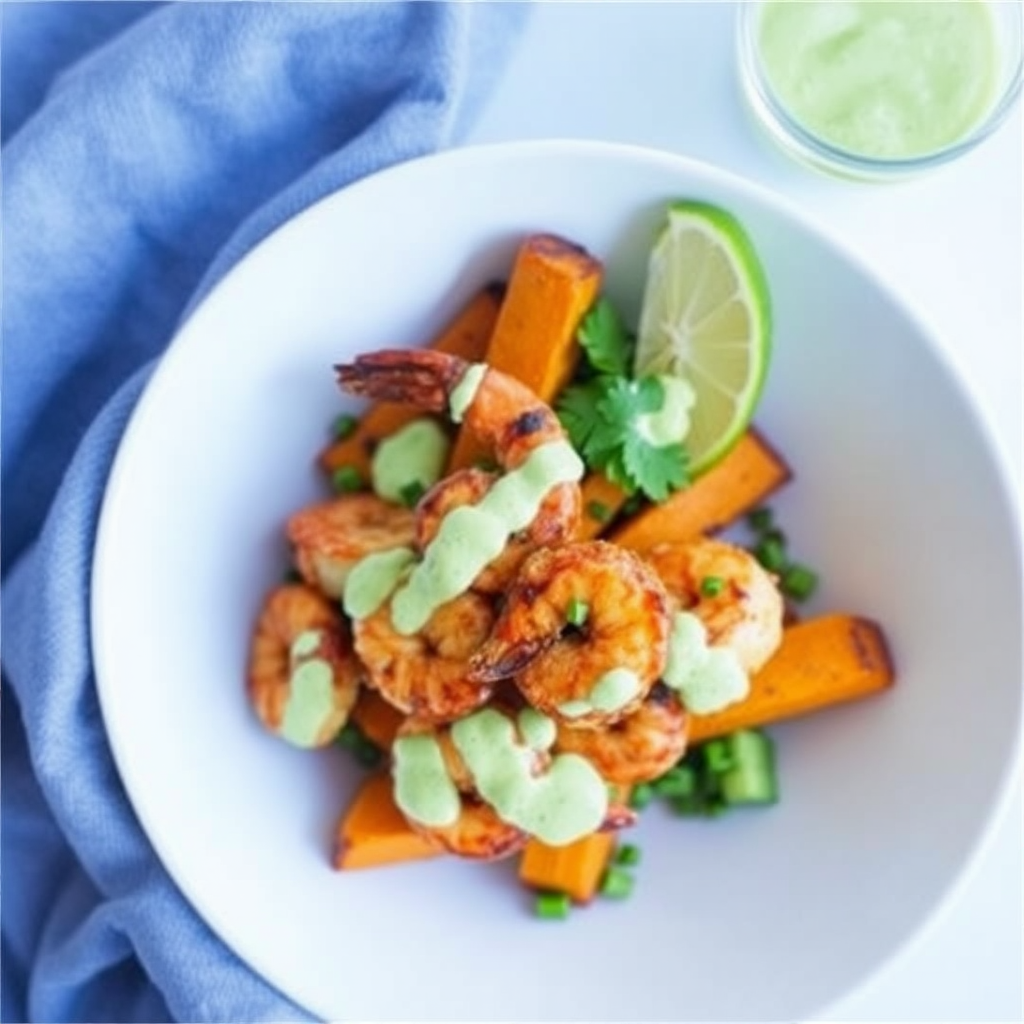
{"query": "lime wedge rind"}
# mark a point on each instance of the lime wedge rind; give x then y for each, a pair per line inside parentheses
(667, 343)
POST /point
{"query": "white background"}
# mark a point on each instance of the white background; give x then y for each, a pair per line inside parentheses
(664, 75)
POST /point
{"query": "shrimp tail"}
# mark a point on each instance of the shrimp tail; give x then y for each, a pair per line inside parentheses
(423, 378)
(618, 817)
(496, 659)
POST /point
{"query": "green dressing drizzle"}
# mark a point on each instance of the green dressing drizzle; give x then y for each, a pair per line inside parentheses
(464, 392)
(471, 536)
(671, 423)
(372, 579)
(537, 729)
(423, 788)
(707, 678)
(414, 454)
(568, 801)
(612, 691)
(310, 692)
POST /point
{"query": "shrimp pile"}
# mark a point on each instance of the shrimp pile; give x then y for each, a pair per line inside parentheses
(528, 667)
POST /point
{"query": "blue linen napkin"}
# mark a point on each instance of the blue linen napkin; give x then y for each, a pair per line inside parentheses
(146, 148)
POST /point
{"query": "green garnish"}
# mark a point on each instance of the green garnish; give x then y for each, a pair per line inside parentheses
(576, 612)
(760, 519)
(617, 884)
(345, 426)
(678, 781)
(602, 417)
(347, 480)
(711, 586)
(799, 582)
(641, 797)
(771, 553)
(628, 855)
(552, 905)
(605, 340)
(411, 493)
(599, 511)
(716, 755)
(355, 741)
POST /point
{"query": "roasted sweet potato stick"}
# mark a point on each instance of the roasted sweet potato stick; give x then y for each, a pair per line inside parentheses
(466, 336)
(377, 719)
(373, 832)
(552, 284)
(745, 477)
(822, 661)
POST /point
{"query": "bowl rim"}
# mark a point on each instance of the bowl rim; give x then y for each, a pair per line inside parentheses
(554, 148)
(798, 140)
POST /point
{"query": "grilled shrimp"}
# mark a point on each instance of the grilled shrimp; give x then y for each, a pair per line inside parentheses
(426, 674)
(637, 748)
(505, 415)
(331, 536)
(551, 527)
(303, 677)
(479, 829)
(725, 586)
(478, 832)
(584, 632)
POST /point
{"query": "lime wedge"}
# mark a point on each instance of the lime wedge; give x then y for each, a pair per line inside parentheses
(706, 317)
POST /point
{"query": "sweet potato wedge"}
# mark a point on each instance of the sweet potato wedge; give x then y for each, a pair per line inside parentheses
(745, 477)
(376, 718)
(821, 662)
(372, 832)
(552, 284)
(466, 336)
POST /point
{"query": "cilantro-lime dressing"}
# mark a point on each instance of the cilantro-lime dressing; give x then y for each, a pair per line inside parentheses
(423, 788)
(462, 395)
(671, 423)
(707, 678)
(538, 731)
(471, 536)
(310, 701)
(610, 692)
(372, 580)
(415, 454)
(566, 802)
(882, 79)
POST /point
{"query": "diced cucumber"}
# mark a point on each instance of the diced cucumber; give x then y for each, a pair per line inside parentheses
(751, 778)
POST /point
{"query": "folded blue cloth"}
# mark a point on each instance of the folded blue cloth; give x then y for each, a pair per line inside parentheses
(146, 148)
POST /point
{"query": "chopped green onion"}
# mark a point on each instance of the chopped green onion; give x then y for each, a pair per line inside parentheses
(345, 426)
(617, 884)
(799, 582)
(599, 511)
(367, 753)
(678, 781)
(717, 755)
(577, 611)
(760, 519)
(347, 479)
(632, 504)
(641, 796)
(711, 586)
(552, 905)
(628, 855)
(350, 736)
(771, 553)
(411, 493)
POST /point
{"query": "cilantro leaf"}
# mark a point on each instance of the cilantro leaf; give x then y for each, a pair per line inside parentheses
(605, 340)
(577, 409)
(603, 418)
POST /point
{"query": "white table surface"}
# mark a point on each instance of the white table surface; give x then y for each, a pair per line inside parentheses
(663, 75)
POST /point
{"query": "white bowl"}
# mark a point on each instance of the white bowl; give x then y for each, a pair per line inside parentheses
(897, 499)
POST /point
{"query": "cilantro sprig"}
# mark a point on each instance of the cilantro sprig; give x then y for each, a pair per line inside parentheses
(604, 412)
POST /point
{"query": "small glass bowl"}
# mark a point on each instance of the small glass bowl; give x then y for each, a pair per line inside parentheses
(811, 149)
